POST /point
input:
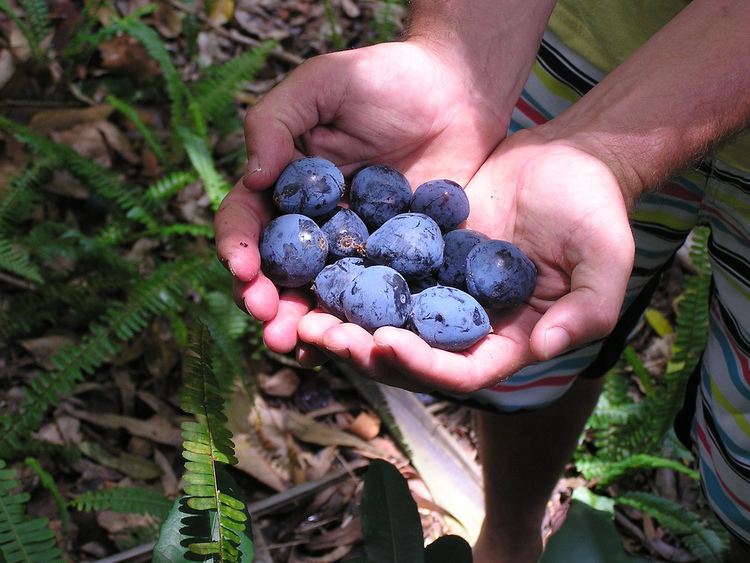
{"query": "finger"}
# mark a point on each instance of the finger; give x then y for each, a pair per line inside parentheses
(280, 333)
(238, 224)
(258, 297)
(485, 364)
(309, 356)
(302, 101)
(590, 311)
(313, 326)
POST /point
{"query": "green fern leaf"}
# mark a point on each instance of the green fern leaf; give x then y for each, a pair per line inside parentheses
(124, 499)
(214, 91)
(37, 14)
(132, 114)
(703, 542)
(48, 482)
(18, 202)
(200, 156)
(207, 444)
(15, 259)
(22, 539)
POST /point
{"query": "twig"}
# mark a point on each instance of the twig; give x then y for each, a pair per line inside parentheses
(236, 36)
(12, 280)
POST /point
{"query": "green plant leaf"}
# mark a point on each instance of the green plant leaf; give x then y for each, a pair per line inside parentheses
(448, 549)
(390, 521)
(587, 535)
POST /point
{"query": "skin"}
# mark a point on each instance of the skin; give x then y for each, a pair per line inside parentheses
(437, 106)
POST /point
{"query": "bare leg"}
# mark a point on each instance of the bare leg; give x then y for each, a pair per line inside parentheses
(523, 456)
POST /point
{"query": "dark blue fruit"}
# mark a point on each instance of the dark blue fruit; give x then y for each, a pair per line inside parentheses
(458, 244)
(410, 243)
(311, 186)
(448, 318)
(377, 297)
(499, 275)
(330, 283)
(378, 193)
(420, 284)
(346, 234)
(293, 250)
(443, 200)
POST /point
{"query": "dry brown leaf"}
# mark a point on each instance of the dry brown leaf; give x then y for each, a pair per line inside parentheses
(117, 140)
(283, 383)
(169, 481)
(60, 119)
(160, 354)
(156, 428)
(125, 54)
(44, 347)
(220, 11)
(65, 184)
(64, 430)
(86, 140)
(253, 461)
(309, 430)
(366, 425)
(319, 464)
(350, 8)
(19, 45)
(168, 21)
(331, 557)
(346, 534)
(7, 67)
(116, 522)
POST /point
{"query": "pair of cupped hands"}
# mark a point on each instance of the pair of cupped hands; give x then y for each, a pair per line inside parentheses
(406, 106)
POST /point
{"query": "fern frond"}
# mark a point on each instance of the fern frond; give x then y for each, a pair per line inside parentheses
(124, 499)
(37, 14)
(25, 29)
(48, 482)
(200, 156)
(207, 444)
(162, 290)
(703, 542)
(215, 89)
(132, 114)
(22, 539)
(15, 259)
(18, 202)
(607, 472)
(167, 186)
(102, 180)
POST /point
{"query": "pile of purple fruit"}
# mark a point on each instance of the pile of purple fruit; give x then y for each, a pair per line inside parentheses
(393, 257)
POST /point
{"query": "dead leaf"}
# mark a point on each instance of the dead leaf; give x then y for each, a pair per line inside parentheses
(65, 184)
(254, 461)
(64, 430)
(220, 11)
(44, 347)
(126, 464)
(117, 522)
(319, 464)
(60, 119)
(366, 425)
(156, 428)
(7, 67)
(168, 21)
(117, 140)
(125, 54)
(169, 481)
(19, 45)
(347, 534)
(350, 8)
(283, 383)
(160, 355)
(309, 430)
(86, 140)
(336, 555)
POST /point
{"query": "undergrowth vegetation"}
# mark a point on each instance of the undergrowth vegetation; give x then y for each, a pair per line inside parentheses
(72, 266)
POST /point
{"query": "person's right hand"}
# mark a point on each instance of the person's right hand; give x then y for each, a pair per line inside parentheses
(404, 104)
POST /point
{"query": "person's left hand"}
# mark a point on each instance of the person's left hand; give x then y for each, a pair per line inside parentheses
(564, 208)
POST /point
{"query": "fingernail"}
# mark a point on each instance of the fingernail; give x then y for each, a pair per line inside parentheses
(556, 341)
(253, 165)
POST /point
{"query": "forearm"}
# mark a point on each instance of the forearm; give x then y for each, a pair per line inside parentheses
(683, 92)
(495, 41)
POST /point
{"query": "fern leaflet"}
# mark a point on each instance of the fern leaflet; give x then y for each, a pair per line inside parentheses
(200, 156)
(37, 14)
(207, 444)
(15, 259)
(22, 539)
(124, 499)
(132, 114)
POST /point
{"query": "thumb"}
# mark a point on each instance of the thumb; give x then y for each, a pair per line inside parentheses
(589, 312)
(287, 112)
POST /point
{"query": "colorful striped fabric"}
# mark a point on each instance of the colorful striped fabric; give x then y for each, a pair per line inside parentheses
(714, 194)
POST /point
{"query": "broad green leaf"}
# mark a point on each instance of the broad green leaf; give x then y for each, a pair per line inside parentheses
(390, 521)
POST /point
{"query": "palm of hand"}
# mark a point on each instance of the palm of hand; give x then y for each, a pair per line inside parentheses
(563, 207)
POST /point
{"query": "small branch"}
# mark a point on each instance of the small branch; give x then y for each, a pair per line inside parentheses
(17, 282)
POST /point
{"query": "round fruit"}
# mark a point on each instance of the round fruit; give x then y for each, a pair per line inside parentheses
(311, 186)
(448, 318)
(330, 283)
(377, 296)
(410, 243)
(378, 193)
(346, 234)
(293, 250)
(458, 244)
(499, 274)
(443, 200)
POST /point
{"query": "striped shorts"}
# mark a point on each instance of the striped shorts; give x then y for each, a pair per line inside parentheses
(713, 194)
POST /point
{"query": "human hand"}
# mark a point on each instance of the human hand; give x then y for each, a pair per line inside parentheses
(563, 207)
(404, 104)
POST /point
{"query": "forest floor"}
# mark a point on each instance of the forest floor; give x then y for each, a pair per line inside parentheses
(303, 425)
